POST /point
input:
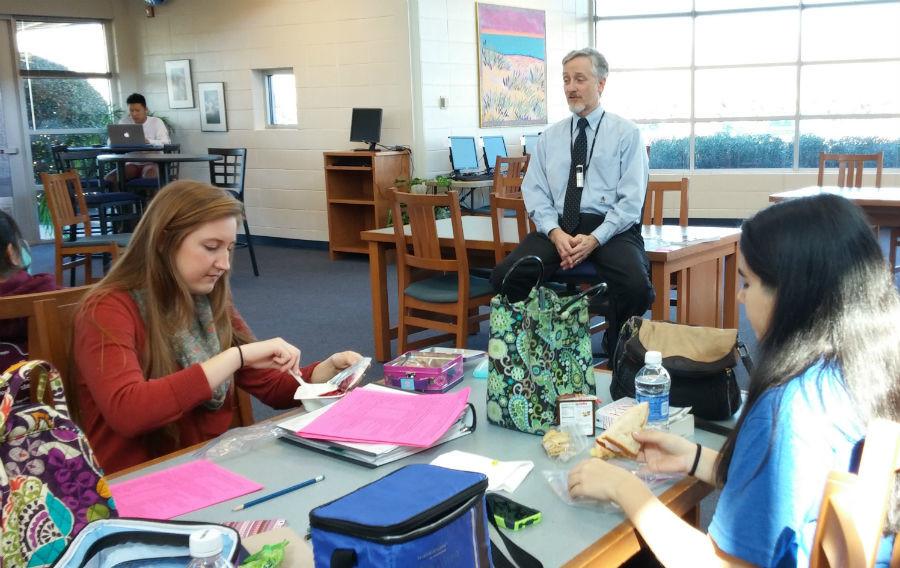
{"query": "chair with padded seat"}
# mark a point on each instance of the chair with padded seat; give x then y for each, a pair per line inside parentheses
(115, 209)
(854, 505)
(69, 210)
(436, 292)
(229, 173)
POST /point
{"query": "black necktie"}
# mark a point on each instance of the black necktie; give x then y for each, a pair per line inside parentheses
(572, 205)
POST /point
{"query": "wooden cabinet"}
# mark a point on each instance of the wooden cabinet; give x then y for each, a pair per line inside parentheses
(356, 185)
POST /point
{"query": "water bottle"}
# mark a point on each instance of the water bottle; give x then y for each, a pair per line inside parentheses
(206, 550)
(651, 385)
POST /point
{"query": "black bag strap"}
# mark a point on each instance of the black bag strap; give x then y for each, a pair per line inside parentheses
(343, 558)
(523, 559)
(525, 260)
(594, 290)
(744, 354)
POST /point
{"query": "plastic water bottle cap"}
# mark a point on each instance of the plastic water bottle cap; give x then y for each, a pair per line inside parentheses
(653, 358)
(205, 543)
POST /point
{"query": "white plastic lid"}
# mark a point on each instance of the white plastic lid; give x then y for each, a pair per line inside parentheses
(205, 543)
(653, 358)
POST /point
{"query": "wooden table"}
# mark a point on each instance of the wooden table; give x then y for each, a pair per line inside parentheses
(706, 256)
(881, 204)
(157, 158)
(567, 536)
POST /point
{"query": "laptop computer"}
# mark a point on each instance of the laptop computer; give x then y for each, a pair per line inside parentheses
(464, 160)
(126, 135)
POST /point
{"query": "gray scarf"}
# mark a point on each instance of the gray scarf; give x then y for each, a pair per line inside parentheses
(196, 344)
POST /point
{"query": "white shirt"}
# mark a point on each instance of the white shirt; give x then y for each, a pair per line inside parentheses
(155, 130)
(615, 179)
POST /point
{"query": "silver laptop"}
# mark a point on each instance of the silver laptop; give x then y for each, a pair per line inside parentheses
(126, 135)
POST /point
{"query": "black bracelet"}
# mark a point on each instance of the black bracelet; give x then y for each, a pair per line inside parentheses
(241, 353)
(696, 461)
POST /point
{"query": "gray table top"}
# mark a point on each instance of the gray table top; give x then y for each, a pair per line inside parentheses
(156, 157)
(563, 532)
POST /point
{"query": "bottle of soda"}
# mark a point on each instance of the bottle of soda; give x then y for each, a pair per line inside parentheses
(206, 550)
(651, 385)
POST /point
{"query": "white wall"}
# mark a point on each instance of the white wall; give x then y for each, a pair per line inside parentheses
(445, 64)
(345, 53)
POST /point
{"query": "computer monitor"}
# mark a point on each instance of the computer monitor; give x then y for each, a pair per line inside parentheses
(463, 153)
(493, 146)
(365, 126)
(529, 141)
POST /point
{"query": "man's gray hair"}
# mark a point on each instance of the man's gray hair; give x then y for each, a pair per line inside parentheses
(598, 62)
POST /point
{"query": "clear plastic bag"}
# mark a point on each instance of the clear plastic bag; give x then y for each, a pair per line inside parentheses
(565, 442)
(238, 441)
(559, 482)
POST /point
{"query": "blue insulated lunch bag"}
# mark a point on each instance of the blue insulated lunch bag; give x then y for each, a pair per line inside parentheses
(419, 515)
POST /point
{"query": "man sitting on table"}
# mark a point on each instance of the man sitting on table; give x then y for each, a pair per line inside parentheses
(155, 134)
(584, 191)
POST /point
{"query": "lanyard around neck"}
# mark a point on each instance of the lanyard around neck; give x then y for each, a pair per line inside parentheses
(593, 142)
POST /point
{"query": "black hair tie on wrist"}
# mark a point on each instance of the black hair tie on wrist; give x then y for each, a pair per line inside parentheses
(696, 461)
(241, 353)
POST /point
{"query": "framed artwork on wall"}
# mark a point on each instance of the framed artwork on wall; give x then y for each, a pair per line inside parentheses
(512, 65)
(212, 107)
(178, 81)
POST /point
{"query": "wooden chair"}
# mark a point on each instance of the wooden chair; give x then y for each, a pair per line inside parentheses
(61, 190)
(114, 208)
(229, 173)
(435, 292)
(653, 202)
(40, 332)
(852, 514)
(508, 173)
(850, 168)
(500, 204)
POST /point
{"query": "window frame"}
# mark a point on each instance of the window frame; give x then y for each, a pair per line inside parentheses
(798, 64)
(267, 75)
(23, 75)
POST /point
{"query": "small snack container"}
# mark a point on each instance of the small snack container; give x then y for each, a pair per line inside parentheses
(424, 372)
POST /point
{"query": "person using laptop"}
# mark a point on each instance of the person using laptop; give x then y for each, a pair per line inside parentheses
(584, 189)
(155, 134)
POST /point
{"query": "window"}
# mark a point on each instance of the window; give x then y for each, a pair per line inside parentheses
(66, 74)
(717, 84)
(281, 98)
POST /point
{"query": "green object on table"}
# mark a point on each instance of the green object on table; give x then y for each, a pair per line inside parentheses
(271, 556)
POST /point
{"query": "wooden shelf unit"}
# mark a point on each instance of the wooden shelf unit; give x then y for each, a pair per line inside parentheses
(356, 185)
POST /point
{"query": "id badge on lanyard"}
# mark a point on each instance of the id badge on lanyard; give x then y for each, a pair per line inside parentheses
(579, 176)
(580, 169)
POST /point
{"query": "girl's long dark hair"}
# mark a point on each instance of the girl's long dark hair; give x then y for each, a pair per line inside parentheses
(835, 301)
(9, 235)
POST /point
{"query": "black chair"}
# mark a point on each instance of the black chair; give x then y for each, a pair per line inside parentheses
(149, 186)
(114, 211)
(229, 173)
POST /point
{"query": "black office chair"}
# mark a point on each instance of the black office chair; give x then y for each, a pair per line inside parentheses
(229, 174)
(149, 186)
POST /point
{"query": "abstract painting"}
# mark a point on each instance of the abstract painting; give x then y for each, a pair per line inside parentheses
(512, 66)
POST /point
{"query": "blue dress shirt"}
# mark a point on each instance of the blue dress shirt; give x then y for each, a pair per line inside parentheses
(615, 181)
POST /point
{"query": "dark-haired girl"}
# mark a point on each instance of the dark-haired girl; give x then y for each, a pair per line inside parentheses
(15, 260)
(819, 297)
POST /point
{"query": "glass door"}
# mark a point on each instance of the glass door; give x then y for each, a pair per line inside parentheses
(17, 194)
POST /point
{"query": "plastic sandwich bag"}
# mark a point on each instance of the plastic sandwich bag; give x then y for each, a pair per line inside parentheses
(558, 480)
(239, 441)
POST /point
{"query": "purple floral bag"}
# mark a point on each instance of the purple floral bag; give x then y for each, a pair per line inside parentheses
(50, 484)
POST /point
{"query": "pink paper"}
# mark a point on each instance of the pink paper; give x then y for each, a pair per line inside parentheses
(387, 418)
(178, 490)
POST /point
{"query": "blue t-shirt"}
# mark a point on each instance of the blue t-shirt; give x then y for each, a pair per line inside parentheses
(768, 508)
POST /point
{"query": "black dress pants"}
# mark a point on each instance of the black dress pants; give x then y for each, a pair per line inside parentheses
(622, 263)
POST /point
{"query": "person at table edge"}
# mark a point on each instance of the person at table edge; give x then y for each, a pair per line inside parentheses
(593, 216)
(159, 346)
